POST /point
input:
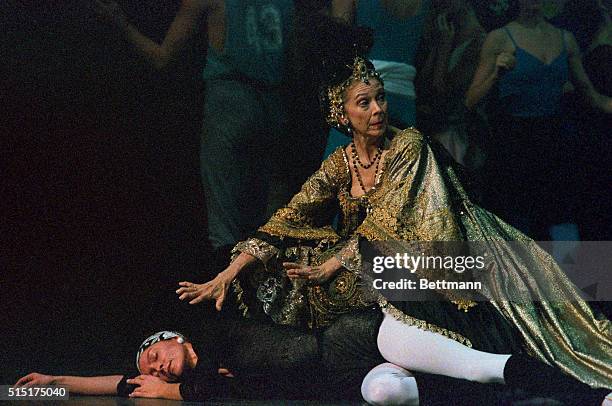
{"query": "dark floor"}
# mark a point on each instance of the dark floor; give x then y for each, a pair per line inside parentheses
(115, 401)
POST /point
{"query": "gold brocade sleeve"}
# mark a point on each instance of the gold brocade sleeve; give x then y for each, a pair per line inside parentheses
(309, 214)
(257, 248)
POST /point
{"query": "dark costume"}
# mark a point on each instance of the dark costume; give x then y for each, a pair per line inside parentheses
(278, 362)
(596, 137)
(243, 117)
(418, 198)
(529, 160)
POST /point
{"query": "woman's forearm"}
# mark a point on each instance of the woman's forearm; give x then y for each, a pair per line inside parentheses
(604, 103)
(183, 28)
(240, 262)
(596, 99)
(153, 53)
(478, 91)
(91, 385)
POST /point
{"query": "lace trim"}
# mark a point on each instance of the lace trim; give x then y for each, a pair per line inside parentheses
(282, 229)
(258, 248)
(242, 307)
(422, 324)
(349, 255)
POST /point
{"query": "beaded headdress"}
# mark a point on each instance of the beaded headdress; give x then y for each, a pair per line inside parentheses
(340, 60)
(361, 70)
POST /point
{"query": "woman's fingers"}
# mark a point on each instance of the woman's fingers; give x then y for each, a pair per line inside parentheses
(186, 284)
(196, 299)
(292, 265)
(187, 290)
(192, 294)
(300, 271)
(186, 295)
(219, 301)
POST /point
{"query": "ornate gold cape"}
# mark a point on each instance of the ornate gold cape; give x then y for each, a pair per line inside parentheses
(420, 199)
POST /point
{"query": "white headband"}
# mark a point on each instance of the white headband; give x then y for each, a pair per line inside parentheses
(156, 338)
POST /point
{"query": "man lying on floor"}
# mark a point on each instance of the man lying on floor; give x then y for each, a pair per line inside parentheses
(239, 358)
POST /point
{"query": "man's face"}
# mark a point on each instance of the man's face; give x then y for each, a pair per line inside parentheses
(165, 359)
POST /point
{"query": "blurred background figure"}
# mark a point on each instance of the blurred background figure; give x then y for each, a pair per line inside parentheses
(446, 63)
(530, 182)
(589, 21)
(242, 134)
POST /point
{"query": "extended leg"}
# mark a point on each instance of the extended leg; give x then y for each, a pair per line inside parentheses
(423, 351)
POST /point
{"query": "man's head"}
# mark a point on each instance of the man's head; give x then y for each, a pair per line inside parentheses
(165, 354)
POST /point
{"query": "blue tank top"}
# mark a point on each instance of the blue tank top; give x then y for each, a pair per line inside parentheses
(255, 39)
(533, 88)
(394, 39)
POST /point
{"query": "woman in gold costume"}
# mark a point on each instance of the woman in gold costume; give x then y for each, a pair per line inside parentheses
(397, 187)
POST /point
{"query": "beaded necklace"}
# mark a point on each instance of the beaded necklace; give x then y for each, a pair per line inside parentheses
(356, 161)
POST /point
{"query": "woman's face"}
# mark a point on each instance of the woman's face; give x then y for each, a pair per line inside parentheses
(365, 108)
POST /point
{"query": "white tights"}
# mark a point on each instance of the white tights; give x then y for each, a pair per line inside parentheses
(410, 348)
(418, 350)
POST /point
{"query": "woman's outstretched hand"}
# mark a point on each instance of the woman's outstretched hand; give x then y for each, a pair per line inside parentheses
(215, 289)
(315, 274)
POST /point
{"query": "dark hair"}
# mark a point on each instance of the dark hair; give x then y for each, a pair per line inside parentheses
(340, 44)
(494, 14)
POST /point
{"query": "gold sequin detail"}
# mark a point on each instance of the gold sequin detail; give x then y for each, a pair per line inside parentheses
(257, 248)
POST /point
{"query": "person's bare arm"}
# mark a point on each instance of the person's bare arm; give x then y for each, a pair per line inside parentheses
(443, 51)
(92, 385)
(581, 81)
(181, 31)
(493, 58)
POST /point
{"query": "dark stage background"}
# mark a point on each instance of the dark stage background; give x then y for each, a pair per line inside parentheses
(102, 207)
